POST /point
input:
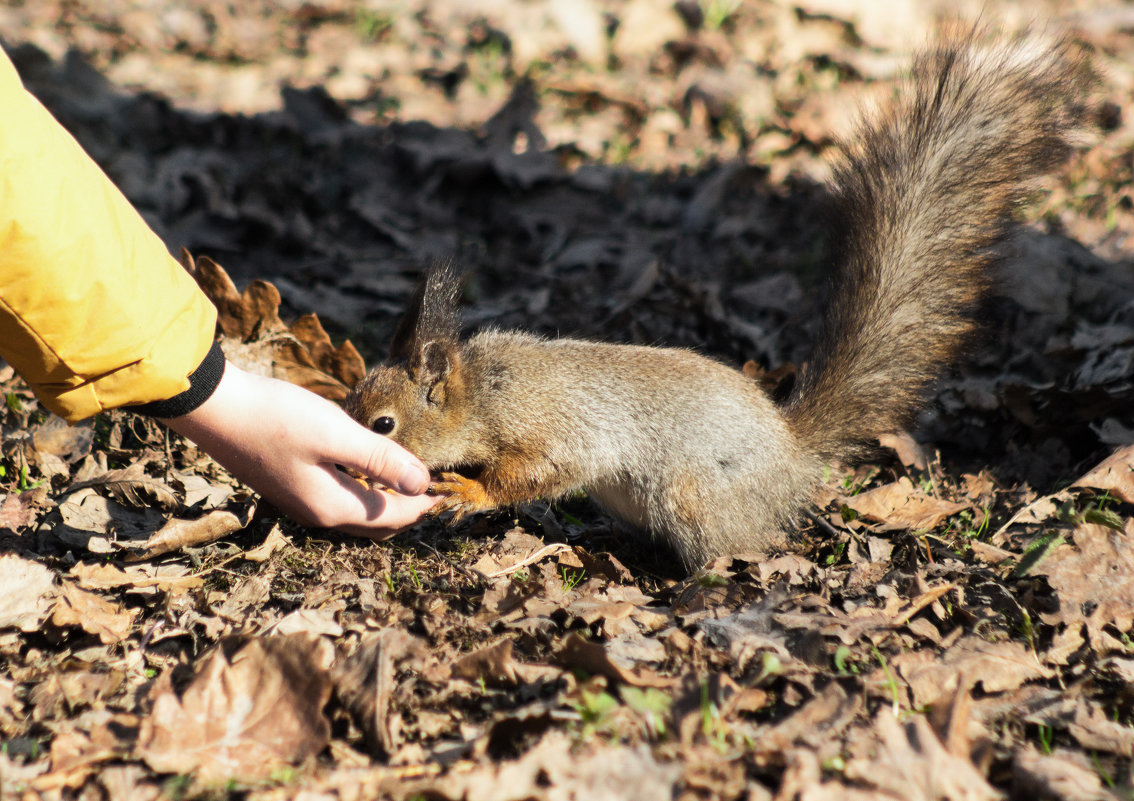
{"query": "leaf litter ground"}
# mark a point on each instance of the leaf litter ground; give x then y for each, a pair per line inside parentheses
(954, 621)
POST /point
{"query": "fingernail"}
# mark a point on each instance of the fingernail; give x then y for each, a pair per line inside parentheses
(413, 480)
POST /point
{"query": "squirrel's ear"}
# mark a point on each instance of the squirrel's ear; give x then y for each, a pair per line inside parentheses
(432, 366)
(434, 363)
(432, 315)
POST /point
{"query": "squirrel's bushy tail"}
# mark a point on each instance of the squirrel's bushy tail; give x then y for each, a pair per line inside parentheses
(925, 193)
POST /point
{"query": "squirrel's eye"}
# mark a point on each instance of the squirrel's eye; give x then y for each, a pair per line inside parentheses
(383, 425)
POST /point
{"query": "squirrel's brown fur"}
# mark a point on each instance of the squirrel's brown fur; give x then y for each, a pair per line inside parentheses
(693, 451)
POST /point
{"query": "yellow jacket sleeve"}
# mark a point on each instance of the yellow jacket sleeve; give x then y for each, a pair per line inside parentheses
(94, 312)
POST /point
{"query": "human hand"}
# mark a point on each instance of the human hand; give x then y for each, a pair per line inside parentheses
(285, 443)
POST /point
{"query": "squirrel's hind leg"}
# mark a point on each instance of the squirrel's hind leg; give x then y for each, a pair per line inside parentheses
(703, 519)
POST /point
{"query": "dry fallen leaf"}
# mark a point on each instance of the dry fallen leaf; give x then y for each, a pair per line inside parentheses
(246, 594)
(177, 534)
(16, 773)
(558, 766)
(1093, 727)
(496, 666)
(517, 550)
(1094, 582)
(28, 593)
(272, 543)
(1115, 474)
(302, 353)
(996, 666)
(198, 490)
(900, 505)
(827, 713)
(1063, 774)
(109, 621)
(307, 621)
(909, 450)
(71, 687)
(102, 525)
(912, 763)
(22, 509)
(365, 682)
(68, 443)
(10, 706)
(109, 576)
(490, 663)
(129, 782)
(312, 361)
(131, 485)
(251, 708)
(579, 653)
(84, 745)
(240, 315)
(748, 632)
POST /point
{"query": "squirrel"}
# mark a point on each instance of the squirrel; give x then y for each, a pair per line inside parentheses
(690, 449)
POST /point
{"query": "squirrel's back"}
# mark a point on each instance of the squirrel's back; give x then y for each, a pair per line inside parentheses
(924, 197)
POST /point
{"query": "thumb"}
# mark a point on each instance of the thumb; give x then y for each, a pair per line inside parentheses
(378, 458)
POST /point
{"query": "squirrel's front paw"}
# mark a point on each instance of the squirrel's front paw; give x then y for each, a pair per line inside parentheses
(462, 496)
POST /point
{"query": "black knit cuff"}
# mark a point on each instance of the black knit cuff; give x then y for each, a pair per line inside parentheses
(202, 383)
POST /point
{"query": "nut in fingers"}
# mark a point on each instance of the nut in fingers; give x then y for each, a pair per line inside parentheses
(366, 481)
(463, 496)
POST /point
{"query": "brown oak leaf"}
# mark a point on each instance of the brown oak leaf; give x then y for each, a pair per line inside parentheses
(252, 708)
(108, 621)
(1093, 579)
(901, 505)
